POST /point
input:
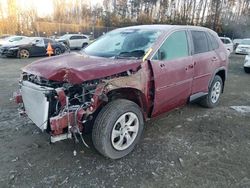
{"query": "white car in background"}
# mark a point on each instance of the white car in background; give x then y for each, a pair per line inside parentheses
(74, 41)
(228, 43)
(247, 64)
(243, 47)
(236, 42)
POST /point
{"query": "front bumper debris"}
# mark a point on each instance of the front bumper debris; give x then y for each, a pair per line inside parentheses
(36, 102)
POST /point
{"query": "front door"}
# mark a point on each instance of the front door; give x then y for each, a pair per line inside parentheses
(173, 70)
(39, 48)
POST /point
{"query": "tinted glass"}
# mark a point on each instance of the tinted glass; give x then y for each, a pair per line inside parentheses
(227, 41)
(46, 41)
(200, 42)
(175, 46)
(75, 37)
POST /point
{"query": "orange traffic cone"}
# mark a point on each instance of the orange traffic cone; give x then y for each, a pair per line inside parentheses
(49, 49)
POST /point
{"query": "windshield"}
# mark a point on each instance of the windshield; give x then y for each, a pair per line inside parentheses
(123, 43)
(14, 39)
(247, 42)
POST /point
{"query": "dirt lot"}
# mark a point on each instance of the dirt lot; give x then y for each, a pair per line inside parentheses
(188, 147)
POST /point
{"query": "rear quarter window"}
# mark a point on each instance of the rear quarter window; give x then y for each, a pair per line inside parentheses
(213, 42)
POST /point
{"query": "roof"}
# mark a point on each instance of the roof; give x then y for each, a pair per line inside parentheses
(225, 38)
(166, 27)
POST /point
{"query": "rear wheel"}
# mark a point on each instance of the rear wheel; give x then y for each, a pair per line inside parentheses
(57, 51)
(118, 128)
(247, 69)
(212, 99)
(23, 54)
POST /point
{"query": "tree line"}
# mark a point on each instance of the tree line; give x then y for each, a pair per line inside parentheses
(227, 17)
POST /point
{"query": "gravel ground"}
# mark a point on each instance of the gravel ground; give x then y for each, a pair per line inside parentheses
(188, 147)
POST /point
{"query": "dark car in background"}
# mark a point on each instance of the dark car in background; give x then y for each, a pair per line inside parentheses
(36, 47)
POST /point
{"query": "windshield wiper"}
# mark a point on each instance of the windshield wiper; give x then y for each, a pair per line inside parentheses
(132, 54)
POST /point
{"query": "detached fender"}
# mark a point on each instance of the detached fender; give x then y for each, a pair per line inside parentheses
(135, 87)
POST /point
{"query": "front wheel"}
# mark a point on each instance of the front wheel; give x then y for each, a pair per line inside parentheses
(23, 54)
(118, 128)
(212, 99)
(84, 45)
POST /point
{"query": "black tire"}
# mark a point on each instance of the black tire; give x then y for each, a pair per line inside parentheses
(57, 51)
(209, 101)
(84, 45)
(247, 69)
(107, 120)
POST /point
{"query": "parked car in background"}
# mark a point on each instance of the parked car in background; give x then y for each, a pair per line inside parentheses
(243, 47)
(74, 41)
(14, 40)
(36, 47)
(125, 77)
(236, 42)
(4, 38)
(228, 44)
(247, 64)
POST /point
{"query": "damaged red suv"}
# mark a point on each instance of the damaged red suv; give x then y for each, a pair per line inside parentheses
(124, 78)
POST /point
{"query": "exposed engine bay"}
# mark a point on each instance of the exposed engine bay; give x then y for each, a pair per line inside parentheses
(60, 108)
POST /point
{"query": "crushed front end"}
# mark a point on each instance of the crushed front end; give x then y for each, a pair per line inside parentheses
(59, 108)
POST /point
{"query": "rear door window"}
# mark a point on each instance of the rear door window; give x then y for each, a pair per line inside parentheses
(76, 37)
(200, 42)
(175, 46)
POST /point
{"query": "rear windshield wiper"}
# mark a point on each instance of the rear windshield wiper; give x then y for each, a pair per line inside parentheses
(132, 54)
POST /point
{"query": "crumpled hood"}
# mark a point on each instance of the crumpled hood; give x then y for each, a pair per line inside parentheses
(76, 68)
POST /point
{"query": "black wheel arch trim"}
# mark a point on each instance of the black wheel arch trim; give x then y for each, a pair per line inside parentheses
(18, 52)
(216, 73)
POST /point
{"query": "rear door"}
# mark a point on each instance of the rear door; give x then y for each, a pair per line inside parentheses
(205, 60)
(76, 41)
(73, 41)
(173, 73)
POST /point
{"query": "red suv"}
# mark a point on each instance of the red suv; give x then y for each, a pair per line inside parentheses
(121, 80)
